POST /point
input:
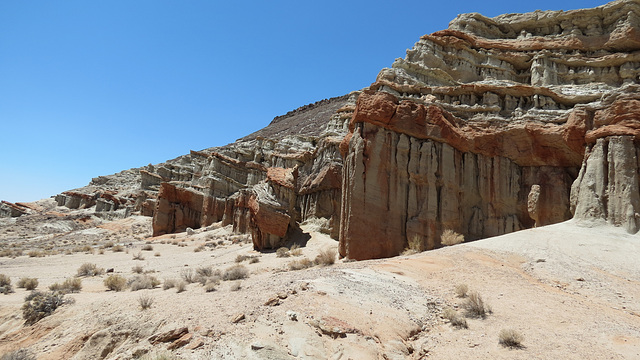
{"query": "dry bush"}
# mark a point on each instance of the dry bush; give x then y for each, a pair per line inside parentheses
(168, 284)
(117, 248)
(115, 282)
(145, 301)
(188, 275)
(475, 306)
(27, 283)
(89, 269)
(147, 247)
(236, 286)
(455, 319)
(326, 257)
(450, 237)
(254, 260)
(137, 269)
(282, 252)
(22, 354)
(211, 284)
(5, 284)
(156, 254)
(138, 256)
(300, 264)
(414, 245)
(143, 282)
(510, 338)
(71, 285)
(236, 272)
(181, 286)
(295, 250)
(39, 305)
(109, 244)
(241, 258)
(36, 253)
(461, 290)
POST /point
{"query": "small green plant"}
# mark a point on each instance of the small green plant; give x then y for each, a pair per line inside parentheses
(510, 338)
(5, 284)
(326, 257)
(27, 283)
(39, 305)
(115, 282)
(450, 237)
(236, 272)
(455, 319)
(89, 269)
(475, 306)
(145, 301)
(22, 354)
(461, 290)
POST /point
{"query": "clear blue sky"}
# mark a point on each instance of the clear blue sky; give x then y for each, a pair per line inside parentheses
(91, 88)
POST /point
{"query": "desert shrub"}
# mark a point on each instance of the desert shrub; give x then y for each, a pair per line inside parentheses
(235, 286)
(71, 285)
(300, 264)
(236, 272)
(461, 290)
(188, 275)
(295, 250)
(39, 305)
(475, 306)
(137, 269)
(414, 245)
(241, 258)
(211, 285)
(198, 248)
(450, 237)
(143, 282)
(22, 354)
(282, 252)
(254, 260)
(510, 338)
(168, 284)
(181, 286)
(117, 248)
(145, 301)
(36, 253)
(5, 284)
(109, 244)
(89, 269)
(138, 256)
(455, 319)
(147, 247)
(204, 271)
(115, 282)
(326, 257)
(27, 283)
(156, 254)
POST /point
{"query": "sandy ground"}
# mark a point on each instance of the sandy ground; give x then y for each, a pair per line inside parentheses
(570, 289)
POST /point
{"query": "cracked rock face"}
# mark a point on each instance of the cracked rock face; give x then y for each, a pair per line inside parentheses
(482, 128)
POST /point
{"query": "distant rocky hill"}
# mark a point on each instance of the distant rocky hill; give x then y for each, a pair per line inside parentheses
(488, 127)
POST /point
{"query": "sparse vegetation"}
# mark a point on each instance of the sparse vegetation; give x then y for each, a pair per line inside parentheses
(115, 282)
(300, 264)
(89, 269)
(236, 272)
(254, 260)
(117, 248)
(475, 306)
(188, 275)
(143, 282)
(235, 286)
(156, 254)
(27, 283)
(22, 354)
(181, 286)
(138, 256)
(147, 247)
(461, 290)
(36, 253)
(510, 338)
(38, 305)
(282, 252)
(145, 301)
(295, 250)
(71, 285)
(137, 269)
(241, 258)
(199, 248)
(450, 237)
(415, 244)
(211, 284)
(455, 319)
(168, 284)
(5, 284)
(326, 257)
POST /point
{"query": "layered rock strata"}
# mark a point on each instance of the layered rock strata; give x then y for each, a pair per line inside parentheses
(482, 128)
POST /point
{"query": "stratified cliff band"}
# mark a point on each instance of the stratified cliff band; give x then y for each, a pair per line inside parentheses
(491, 126)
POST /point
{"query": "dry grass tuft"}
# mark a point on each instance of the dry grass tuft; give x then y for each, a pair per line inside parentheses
(300, 264)
(461, 290)
(188, 275)
(475, 306)
(137, 269)
(414, 245)
(138, 256)
(71, 285)
(455, 319)
(510, 338)
(168, 284)
(326, 257)
(236, 286)
(143, 282)
(282, 252)
(27, 283)
(181, 286)
(36, 253)
(115, 283)
(117, 248)
(89, 269)
(145, 301)
(5, 284)
(450, 237)
(295, 250)
(236, 272)
(147, 247)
